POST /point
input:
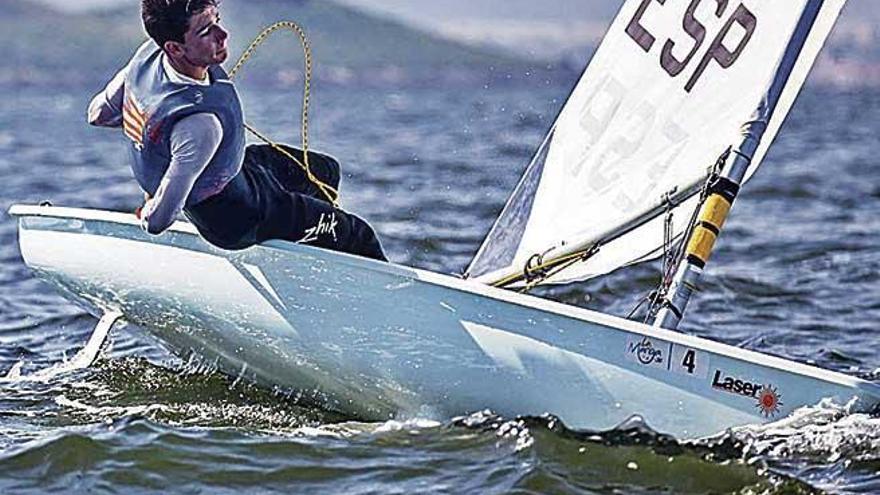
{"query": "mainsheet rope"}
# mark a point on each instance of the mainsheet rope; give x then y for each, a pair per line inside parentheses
(328, 191)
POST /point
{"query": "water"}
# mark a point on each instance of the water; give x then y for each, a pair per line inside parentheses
(795, 275)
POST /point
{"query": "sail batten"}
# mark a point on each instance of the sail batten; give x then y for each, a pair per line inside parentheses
(672, 86)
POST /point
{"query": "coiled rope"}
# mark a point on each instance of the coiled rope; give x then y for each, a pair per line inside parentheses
(328, 191)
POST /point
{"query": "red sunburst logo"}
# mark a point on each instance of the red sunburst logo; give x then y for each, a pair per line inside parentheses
(769, 400)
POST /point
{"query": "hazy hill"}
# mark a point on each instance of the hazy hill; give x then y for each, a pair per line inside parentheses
(348, 45)
(454, 40)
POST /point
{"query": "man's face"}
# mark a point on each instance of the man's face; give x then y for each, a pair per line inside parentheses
(204, 43)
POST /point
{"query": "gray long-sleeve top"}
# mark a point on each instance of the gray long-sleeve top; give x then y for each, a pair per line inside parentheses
(194, 140)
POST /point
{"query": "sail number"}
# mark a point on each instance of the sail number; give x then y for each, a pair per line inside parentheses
(717, 51)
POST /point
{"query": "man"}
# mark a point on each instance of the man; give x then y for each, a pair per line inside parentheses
(184, 119)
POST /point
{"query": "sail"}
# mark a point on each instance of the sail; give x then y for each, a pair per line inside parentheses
(667, 93)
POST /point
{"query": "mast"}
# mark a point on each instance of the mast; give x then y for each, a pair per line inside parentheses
(723, 191)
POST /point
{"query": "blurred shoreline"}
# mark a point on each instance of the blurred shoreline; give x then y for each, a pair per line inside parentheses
(354, 47)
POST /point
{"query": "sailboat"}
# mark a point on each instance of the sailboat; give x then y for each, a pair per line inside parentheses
(674, 114)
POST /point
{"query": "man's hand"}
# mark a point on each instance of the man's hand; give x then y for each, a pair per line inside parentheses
(140, 209)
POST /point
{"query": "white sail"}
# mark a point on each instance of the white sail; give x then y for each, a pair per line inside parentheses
(667, 92)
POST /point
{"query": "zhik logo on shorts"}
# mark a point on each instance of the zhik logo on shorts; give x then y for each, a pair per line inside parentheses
(326, 225)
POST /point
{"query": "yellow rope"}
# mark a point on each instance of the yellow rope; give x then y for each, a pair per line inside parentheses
(329, 192)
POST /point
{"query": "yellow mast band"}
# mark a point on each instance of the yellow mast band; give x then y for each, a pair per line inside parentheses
(715, 211)
(701, 244)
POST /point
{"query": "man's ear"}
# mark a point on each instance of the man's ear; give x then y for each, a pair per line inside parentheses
(173, 48)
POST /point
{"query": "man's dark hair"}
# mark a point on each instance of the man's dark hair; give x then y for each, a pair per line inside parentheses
(168, 20)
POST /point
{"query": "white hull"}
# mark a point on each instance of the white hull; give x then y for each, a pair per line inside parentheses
(377, 339)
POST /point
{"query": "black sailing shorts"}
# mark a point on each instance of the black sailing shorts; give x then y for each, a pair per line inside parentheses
(272, 198)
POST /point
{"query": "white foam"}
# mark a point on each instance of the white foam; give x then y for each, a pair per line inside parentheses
(83, 359)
